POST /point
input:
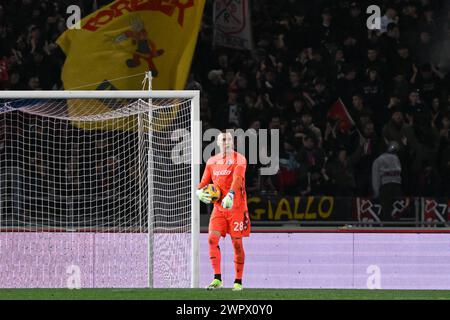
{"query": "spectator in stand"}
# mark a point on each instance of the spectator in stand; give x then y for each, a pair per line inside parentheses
(390, 16)
(409, 22)
(342, 178)
(349, 85)
(287, 177)
(351, 47)
(4, 75)
(205, 109)
(427, 82)
(319, 100)
(390, 41)
(374, 62)
(366, 152)
(373, 92)
(437, 112)
(444, 130)
(393, 130)
(387, 180)
(424, 48)
(315, 66)
(216, 88)
(34, 83)
(290, 93)
(356, 19)
(423, 140)
(331, 144)
(359, 110)
(402, 62)
(312, 161)
(234, 110)
(444, 154)
(307, 124)
(298, 108)
(338, 64)
(394, 102)
(326, 32)
(428, 20)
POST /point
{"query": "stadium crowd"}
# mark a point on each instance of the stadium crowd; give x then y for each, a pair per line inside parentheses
(307, 54)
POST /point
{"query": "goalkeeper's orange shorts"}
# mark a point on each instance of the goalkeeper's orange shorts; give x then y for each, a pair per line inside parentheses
(235, 222)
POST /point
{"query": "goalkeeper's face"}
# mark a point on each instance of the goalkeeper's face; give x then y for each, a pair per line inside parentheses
(225, 142)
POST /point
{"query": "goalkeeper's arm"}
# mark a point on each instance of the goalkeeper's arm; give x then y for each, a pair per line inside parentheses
(237, 184)
(206, 179)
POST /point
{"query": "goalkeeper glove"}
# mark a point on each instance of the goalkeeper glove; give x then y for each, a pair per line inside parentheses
(227, 202)
(203, 196)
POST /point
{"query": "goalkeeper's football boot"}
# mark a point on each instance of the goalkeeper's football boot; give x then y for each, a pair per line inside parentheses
(237, 287)
(215, 284)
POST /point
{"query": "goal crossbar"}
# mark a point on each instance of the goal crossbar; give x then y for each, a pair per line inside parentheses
(94, 94)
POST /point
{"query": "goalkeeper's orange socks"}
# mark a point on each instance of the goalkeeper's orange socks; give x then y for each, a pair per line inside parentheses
(239, 259)
(214, 254)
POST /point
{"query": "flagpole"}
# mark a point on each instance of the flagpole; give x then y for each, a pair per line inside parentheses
(350, 117)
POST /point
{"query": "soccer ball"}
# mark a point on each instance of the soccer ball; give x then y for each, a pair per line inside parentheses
(213, 192)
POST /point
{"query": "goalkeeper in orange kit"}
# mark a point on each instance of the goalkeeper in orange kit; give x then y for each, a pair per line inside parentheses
(230, 214)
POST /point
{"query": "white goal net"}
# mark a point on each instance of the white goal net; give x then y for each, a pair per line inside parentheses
(96, 190)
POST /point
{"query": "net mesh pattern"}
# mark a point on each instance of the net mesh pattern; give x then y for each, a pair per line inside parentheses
(95, 191)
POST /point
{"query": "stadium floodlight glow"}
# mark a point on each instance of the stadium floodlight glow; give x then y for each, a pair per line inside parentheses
(87, 180)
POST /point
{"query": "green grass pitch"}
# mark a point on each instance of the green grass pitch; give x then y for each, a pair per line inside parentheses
(223, 294)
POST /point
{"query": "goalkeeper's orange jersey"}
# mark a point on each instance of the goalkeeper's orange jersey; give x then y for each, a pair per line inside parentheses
(225, 170)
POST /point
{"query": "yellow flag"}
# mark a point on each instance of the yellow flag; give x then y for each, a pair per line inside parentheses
(129, 37)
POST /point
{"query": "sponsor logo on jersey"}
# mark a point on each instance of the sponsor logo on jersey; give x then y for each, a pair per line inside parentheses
(221, 172)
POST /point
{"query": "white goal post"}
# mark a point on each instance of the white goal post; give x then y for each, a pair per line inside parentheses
(97, 189)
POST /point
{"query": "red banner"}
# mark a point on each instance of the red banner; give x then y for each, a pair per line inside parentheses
(339, 112)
